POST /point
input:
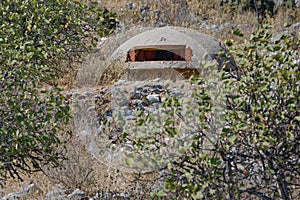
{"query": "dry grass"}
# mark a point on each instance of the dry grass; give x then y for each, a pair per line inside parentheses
(202, 15)
(193, 13)
(83, 171)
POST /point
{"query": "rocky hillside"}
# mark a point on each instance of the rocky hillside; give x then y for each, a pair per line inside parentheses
(95, 165)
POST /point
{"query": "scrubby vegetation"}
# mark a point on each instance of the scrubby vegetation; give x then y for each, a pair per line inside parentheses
(40, 42)
(254, 151)
(243, 135)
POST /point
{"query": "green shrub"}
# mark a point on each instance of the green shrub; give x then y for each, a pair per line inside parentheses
(250, 149)
(39, 41)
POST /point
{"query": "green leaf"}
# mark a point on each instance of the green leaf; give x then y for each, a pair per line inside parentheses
(161, 193)
(140, 122)
(171, 131)
(271, 171)
(198, 195)
(226, 130)
(287, 24)
(297, 118)
(215, 161)
(232, 138)
(237, 32)
(212, 191)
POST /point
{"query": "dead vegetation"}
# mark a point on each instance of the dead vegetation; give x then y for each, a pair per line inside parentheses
(81, 170)
(195, 14)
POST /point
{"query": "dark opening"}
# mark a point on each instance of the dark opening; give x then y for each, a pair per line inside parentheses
(165, 55)
(159, 53)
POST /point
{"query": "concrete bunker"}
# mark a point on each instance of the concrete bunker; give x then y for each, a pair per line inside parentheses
(166, 53)
(120, 53)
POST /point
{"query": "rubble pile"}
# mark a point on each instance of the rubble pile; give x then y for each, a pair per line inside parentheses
(144, 97)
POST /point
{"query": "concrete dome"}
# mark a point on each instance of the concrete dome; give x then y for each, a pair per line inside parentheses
(201, 44)
(166, 52)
